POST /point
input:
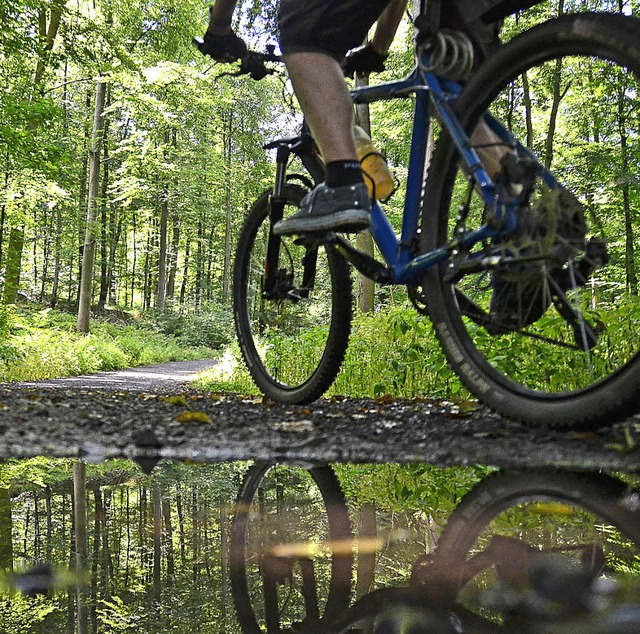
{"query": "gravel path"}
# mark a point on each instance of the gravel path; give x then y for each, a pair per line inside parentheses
(149, 414)
(164, 377)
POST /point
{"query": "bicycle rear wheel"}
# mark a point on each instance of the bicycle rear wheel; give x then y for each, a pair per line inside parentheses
(291, 549)
(544, 325)
(514, 521)
(294, 334)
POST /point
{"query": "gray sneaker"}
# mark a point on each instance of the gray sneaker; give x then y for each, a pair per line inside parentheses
(346, 209)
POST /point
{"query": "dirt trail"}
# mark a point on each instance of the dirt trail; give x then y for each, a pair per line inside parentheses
(151, 378)
(151, 413)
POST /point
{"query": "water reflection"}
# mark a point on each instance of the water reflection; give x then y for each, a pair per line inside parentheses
(252, 548)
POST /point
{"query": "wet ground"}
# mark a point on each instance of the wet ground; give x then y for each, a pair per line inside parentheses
(151, 413)
(215, 545)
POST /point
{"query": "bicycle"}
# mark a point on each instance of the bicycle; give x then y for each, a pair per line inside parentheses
(527, 551)
(520, 270)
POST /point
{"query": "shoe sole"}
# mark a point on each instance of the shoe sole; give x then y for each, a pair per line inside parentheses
(346, 221)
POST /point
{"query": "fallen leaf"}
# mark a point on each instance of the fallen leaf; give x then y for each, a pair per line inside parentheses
(294, 426)
(629, 442)
(581, 435)
(193, 417)
(174, 400)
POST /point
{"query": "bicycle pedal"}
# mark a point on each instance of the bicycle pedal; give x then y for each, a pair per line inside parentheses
(316, 239)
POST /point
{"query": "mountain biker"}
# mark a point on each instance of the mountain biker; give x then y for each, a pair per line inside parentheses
(315, 36)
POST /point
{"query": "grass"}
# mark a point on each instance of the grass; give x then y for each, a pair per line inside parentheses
(391, 352)
(40, 343)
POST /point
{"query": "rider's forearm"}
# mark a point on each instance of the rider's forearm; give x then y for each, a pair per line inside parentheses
(220, 14)
(387, 26)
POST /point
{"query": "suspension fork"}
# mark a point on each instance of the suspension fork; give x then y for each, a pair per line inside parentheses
(277, 201)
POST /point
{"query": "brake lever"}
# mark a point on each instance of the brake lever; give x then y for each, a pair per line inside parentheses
(251, 64)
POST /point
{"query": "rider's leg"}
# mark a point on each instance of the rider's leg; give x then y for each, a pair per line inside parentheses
(314, 36)
(319, 85)
(342, 202)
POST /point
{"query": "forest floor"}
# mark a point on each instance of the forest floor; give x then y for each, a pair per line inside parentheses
(150, 413)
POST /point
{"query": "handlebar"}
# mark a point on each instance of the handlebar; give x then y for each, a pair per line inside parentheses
(252, 64)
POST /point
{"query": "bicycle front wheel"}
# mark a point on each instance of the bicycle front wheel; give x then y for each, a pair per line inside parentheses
(543, 324)
(292, 307)
(291, 549)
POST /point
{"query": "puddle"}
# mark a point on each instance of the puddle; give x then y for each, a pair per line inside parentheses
(242, 547)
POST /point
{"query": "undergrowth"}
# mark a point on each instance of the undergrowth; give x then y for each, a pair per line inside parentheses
(391, 352)
(38, 343)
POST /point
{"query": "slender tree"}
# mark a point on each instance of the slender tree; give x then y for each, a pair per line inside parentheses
(88, 254)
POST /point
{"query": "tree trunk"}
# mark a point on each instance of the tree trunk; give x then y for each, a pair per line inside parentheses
(3, 207)
(83, 198)
(183, 549)
(195, 542)
(95, 556)
(49, 519)
(199, 263)
(185, 273)
(162, 251)
(71, 614)
(228, 211)
(557, 98)
(173, 259)
(148, 283)
(56, 264)
(47, 223)
(134, 260)
(367, 533)
(127, 559)
(88, 255)
(36, 526)
(80, 515)
(224, 564)
(364, 241)
(168, 529)
(14, 264)
(631, 277)
(157, 542)
(47, 38)
(107, 566)
(104, 225)
(6, 531)
(527, 106)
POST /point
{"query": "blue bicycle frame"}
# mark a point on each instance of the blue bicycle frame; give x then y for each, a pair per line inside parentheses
(434, 94)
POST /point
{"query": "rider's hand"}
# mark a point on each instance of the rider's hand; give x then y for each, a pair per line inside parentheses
(224, 47)
(363, 60)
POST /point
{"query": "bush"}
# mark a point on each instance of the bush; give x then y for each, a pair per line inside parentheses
(8, 351)
(211, 326)
(393, 351)
(45, 344)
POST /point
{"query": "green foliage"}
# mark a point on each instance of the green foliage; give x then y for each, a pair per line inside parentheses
(117, 616)
(22, 615)
(45, 344)
(8, 351)
(228, 375)
(211, 325)
(393, 351)
(408, 488)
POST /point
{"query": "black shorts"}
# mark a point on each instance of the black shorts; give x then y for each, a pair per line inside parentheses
(326, 26)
